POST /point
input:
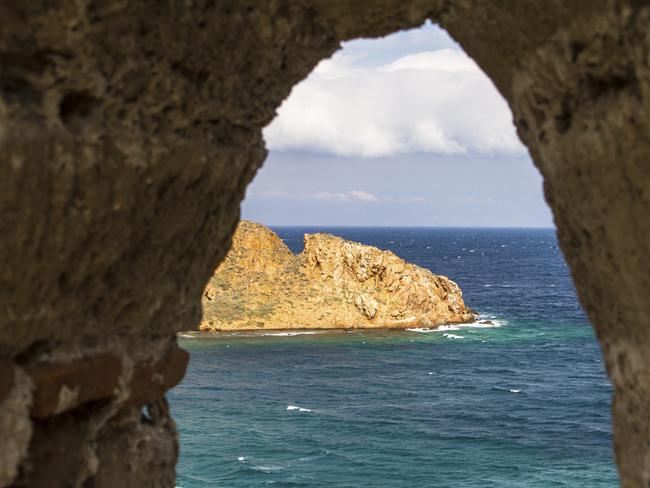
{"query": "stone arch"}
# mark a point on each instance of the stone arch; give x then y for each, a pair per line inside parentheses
(128, 133)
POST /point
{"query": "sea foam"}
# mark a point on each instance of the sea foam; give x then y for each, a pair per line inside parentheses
(189, 335)
(289, 334)
(300, 409)
(453, 336)
(482, 322)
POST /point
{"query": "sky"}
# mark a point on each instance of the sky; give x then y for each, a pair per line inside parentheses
(405, 130)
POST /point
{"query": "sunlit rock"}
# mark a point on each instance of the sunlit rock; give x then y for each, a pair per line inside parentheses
(333, 283)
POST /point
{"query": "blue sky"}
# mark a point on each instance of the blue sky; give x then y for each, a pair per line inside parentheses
(400, 131)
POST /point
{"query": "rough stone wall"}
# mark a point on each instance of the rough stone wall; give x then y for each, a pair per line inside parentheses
(589, 133)
(128, 133)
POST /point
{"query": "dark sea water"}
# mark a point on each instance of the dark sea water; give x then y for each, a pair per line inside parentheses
(524, 404)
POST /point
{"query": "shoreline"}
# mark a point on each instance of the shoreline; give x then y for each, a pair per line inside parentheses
(478, 322)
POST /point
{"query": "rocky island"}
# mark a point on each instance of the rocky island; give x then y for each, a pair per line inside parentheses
(333, 283)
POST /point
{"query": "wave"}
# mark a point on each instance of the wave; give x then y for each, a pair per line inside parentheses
(247, 333)
(485, 321)
(445, 327)
(515, 391)
(289, 334)
(422, 330)
(481, 322)
(276, 333)
(453, 336)
(300, 409)
(189, 335)
(489, 324)
(267, 469)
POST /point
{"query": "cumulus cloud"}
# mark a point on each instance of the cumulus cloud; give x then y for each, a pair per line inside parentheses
(436, 102)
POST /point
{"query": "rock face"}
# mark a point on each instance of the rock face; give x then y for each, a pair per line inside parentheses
(128, 134)
(333, 283)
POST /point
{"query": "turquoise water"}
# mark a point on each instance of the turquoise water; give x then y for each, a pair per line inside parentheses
(523, 402)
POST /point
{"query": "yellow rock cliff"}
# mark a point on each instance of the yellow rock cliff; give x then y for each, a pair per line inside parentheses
(333, 283)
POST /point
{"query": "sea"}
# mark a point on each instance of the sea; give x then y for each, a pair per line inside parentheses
(522, 401)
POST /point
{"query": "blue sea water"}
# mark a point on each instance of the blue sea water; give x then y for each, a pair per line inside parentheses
(523, 404)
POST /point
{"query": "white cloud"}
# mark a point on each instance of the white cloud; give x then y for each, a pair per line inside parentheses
(359, 196)
(347, 196)
(446, 60)
(363, 196)
(433, 102)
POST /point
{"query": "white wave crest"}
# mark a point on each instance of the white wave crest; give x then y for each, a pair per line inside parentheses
(300, 409)
(481, 322)
(484, 321)
(267, 469)
(490, 324)
(289, 334)
(448, 327)
(422, 330)
(453, 336)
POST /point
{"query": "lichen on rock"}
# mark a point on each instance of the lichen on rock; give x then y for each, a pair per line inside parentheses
(333, 283)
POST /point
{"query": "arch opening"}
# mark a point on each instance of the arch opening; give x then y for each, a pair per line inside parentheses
(329, 171)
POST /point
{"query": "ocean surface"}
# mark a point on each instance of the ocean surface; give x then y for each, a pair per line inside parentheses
(522, 403)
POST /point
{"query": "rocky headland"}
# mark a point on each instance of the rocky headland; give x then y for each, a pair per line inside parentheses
(333, 283)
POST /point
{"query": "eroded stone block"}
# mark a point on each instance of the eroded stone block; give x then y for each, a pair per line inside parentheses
(64, 385)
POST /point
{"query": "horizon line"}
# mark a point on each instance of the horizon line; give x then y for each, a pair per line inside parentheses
(404, 226)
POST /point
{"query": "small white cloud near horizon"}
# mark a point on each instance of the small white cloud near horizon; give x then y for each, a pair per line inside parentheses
(350, 196)
(437, 102)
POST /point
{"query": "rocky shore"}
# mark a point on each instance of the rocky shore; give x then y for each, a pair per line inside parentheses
(333, 283)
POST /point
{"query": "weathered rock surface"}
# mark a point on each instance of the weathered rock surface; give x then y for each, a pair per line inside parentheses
(129, 131)
(333, 283)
